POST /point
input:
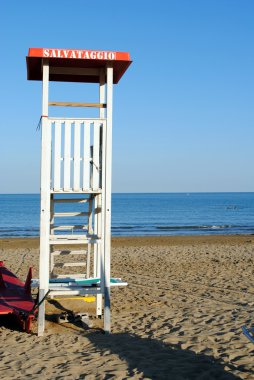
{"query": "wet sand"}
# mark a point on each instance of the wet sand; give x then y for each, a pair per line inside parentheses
(179, 318)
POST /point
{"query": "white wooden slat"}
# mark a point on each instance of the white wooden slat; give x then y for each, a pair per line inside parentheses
(76, 292)
(88, 261)
(67, 155)
(68, 252)
(89, 191)
(73, 227)
(86, 156)
(76, 181)
(77, 264)
(76, 104)
(72, 241)
(75, 237)
(68, 214)
(72, 120)
(72, 200)
(96, 151)
(70, 275)
(57, 156)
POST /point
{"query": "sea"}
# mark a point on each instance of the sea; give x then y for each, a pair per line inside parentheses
(144, 214)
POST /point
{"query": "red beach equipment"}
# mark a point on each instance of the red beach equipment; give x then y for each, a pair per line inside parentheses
(15, 297)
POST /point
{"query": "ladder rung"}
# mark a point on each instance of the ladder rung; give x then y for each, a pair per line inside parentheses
(72, 275)
(73, 239)
(64, 228)
(67, 252)
(74, 200)
(77, 264)
(77, 104)
(69, 214)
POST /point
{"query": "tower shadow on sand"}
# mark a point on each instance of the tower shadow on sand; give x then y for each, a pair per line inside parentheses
(149, 358)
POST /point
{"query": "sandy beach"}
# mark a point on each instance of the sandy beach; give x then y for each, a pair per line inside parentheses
(179, 318)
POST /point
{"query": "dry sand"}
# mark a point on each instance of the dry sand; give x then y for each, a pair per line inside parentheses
(179, 318)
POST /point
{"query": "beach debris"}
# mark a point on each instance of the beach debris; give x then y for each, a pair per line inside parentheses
(70, 317)
(85, 320)
(249, 333)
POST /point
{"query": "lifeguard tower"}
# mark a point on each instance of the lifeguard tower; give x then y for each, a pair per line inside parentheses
(76, 160)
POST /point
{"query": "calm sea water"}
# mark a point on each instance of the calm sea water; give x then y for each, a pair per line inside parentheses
(145, 214)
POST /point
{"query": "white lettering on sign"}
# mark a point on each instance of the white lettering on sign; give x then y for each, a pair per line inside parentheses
(79, 54)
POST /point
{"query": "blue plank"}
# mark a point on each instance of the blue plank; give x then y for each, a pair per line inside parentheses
(248, 333)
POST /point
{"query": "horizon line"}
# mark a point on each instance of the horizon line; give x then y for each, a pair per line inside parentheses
(142, 192)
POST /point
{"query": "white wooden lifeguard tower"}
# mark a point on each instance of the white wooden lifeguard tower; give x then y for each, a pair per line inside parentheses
(76, 158)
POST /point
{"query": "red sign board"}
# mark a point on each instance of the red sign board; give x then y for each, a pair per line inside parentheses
(79, 54)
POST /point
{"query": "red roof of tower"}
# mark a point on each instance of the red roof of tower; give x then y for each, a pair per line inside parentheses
(72, 60)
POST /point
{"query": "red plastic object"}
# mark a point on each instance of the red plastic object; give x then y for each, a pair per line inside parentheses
(15, 297)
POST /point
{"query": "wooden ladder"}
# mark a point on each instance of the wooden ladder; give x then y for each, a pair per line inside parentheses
(59, 238)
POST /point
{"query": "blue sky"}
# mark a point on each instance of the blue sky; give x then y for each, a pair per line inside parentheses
(183, 112)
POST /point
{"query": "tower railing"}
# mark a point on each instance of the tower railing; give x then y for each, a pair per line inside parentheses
(76, 154)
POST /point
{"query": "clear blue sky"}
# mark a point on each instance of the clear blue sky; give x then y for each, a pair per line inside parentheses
(183, 112)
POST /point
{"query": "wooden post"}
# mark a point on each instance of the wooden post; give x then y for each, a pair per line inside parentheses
(107, 224)
(45, 198)
(100, 215)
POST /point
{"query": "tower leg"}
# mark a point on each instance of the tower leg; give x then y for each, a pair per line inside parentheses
(99, 305)
(45, 199)
(41, 314)
(107, 215)
(107, 325)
